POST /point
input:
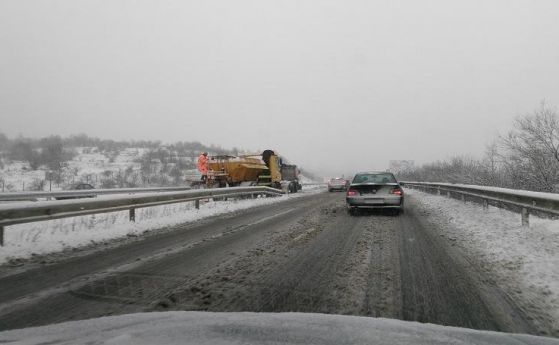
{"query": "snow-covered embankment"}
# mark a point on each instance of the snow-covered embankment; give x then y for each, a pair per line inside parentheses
(524, 261)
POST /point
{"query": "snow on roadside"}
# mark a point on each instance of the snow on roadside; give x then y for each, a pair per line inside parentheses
(525, 261)
(26, 240)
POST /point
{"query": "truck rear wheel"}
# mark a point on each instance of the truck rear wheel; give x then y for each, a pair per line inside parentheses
(292, 188)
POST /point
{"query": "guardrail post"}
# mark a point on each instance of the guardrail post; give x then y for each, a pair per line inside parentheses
(197, 204)
(463, 197)
(132, 214)
(525, 217)
(438, 190)
(1, 236)
(448, 194)
(485, 204)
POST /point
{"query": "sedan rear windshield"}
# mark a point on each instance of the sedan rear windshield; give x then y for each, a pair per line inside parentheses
(374, 178)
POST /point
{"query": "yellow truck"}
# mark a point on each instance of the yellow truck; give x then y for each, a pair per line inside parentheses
(234, 171)
(267, 169)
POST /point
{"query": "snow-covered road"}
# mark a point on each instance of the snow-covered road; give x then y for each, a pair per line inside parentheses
(443, 261)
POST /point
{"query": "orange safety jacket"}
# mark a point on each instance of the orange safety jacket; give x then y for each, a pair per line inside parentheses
(202, 164)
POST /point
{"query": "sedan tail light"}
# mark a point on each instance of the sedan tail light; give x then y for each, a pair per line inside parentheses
(352, 192)
(397, 191)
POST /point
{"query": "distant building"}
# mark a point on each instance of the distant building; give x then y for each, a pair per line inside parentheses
(397, 166)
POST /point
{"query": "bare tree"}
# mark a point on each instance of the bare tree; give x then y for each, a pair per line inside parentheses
(532, 155)
(491, 165)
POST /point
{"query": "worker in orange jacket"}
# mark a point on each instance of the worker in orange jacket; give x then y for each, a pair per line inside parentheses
(203, 165)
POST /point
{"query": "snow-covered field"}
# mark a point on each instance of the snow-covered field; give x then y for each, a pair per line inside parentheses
(18, 176)
(166, 328)
(524, 261)
(26, 240)
(86, 166)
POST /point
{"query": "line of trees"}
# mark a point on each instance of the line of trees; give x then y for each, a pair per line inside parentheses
(48, 151)
(527, 157)
(51, 152)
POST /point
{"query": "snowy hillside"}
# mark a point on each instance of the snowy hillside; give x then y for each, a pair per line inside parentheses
(89, 165)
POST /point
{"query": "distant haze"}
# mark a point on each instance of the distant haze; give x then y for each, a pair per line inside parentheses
(335, 86)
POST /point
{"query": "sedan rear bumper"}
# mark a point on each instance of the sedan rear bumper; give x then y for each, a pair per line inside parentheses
(339, 187)
(369, 202)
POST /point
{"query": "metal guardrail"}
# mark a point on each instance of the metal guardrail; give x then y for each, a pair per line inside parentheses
(19, 196)
(519, 200)
(20, 213)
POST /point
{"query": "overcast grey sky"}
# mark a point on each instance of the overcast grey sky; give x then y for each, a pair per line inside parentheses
(332, 85)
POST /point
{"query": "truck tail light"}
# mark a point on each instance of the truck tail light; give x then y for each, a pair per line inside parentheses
(397, 191)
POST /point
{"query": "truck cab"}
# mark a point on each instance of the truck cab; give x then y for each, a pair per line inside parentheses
(279, 175)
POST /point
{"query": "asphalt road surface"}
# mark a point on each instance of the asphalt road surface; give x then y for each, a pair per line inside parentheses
(306, 255)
